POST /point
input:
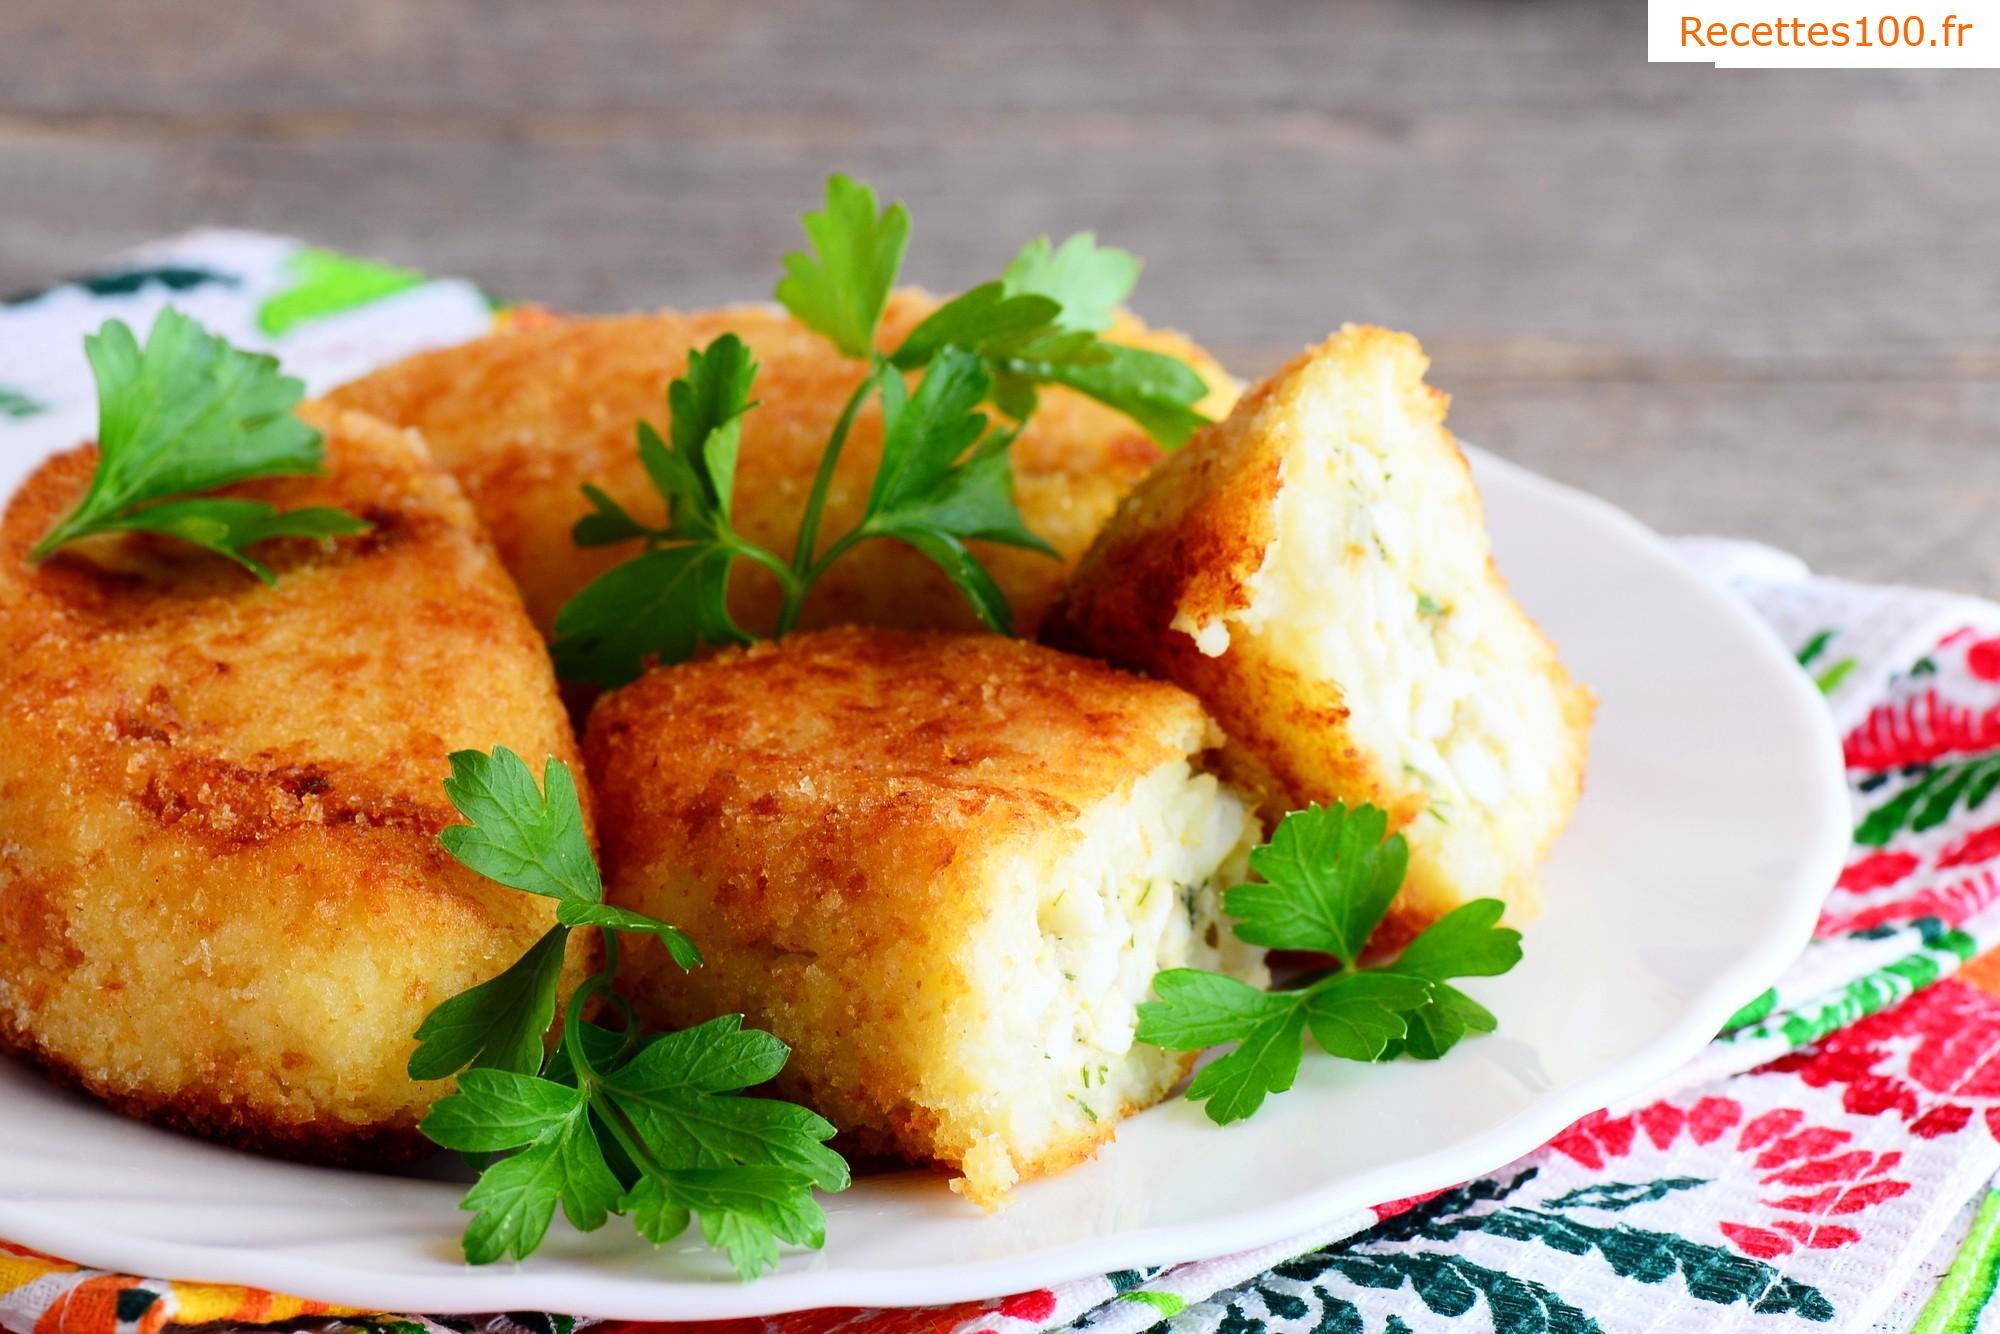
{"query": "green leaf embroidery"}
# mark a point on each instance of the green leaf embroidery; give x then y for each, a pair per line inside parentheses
(124, 282)
(1623, 1194)
(1815, 646)
(1753, 1011)
(1829, 680)
(1929, 799)
(327, 282)
(18, 404)
(1713, 1274)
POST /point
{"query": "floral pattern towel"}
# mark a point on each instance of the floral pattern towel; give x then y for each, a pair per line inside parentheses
(1827, 1163)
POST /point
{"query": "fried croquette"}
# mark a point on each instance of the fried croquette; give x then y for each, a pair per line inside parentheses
(526, 416)
(1315, 569)
(943, 868)
(223, 905)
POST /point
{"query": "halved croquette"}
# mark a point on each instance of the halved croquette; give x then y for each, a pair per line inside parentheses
(944, 868)
(1315, 569)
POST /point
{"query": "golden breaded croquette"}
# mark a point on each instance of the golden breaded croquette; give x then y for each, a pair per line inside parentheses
(223, 905)
(525, 417)
(944, 868)
(1315, 569)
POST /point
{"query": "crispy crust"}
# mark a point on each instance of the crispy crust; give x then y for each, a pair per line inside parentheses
(222, 902)
(327, 1141)
(826, 816)
(1183, 552)
(525, 417)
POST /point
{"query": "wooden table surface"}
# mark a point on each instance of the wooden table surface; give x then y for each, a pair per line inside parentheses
(1745, 302)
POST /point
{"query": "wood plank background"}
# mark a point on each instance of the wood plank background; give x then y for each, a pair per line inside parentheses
(1748, 302)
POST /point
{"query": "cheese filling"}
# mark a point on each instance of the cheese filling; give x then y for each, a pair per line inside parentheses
(1139, 889)
(1378, 580)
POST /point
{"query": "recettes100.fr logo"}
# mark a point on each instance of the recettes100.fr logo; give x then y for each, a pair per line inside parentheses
(1827, 34)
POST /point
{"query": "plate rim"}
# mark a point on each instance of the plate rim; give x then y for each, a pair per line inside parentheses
(1298, 1216)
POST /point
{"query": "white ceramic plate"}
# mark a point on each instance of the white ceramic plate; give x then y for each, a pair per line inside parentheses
(1713, 824)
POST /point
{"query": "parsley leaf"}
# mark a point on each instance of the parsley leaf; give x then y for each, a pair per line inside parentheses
(747, 1211)
(1328, 879)
(672, 598)
(681, 1088)
(499, 1023)
(1264, 1061)
(986, 316)
(1153, 389)
(1356, 1015)
(497, 1109)
(1198, 1009)
(662, 604)
(1466, 942)
(1039, 325)
(945, 478)
(706, 408)
(523, 836)
(1087, 280)
(514, 1200)
(655, 1127)
(560, 1160)
(1329, 876)
(934, 489)
(608, 918)
(840, 289)
(188, 413)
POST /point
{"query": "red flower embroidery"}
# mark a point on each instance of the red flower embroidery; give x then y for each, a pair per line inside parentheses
(1919, 730)
(1037, 1306)
(1878, 870)
(1956, 1060)
(1951, 904)
(1810, 1171)
(1978, 846)
(1983, 659)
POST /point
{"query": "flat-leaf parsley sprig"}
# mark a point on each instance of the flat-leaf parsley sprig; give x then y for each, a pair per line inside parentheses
(611, 1120)
(1037, 324)
(187, 413)
(1329, 876)
(944, 478)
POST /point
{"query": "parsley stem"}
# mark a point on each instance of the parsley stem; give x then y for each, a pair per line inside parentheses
(579, 1001)
(588, 1080)
(808, 540)
(833, 553)
(57, 535)
(794, 586)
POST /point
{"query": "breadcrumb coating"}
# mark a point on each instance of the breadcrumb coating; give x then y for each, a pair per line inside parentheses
(223, 905)
(526, 416)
